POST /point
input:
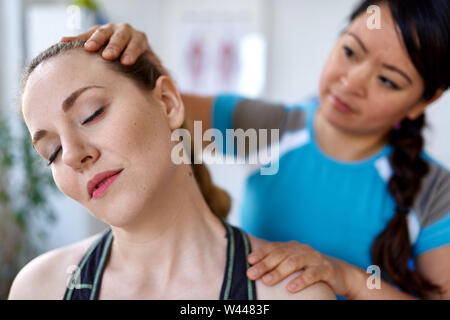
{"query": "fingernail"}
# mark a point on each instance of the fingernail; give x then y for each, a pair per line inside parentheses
(251, 258)
(126, 59)
(292, 286)
(268, 278)
(253, 272)
(91, 43)
(111, 51)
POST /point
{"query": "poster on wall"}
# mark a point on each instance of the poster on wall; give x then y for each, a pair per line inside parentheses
(219, 55)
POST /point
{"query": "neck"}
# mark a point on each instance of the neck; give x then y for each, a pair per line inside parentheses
(176, 233)
(343, 145)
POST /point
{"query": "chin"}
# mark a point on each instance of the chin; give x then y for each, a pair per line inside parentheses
(118, 211)
(332, 116)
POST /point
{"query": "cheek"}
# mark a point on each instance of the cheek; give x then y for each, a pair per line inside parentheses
(331, 72)
(384, 110)
(66, 183)
(391, 106)
(143, 137)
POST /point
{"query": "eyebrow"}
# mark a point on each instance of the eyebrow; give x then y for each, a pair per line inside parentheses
(66, 105)
(387, 66)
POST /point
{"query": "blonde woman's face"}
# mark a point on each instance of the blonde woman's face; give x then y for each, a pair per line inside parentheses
(371, 73)
(111, 124)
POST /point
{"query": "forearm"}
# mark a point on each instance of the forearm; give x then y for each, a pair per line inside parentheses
(198, 108)
(358, 288)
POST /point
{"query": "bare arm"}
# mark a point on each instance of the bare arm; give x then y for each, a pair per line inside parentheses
(434, 265)
(317, 291)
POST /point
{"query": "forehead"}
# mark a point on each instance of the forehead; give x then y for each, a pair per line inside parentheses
(55, 79)
(385, 45)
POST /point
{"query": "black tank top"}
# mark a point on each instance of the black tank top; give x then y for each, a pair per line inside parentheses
(86, 280)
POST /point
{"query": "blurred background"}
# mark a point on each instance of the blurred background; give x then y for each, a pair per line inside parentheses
(271, 49)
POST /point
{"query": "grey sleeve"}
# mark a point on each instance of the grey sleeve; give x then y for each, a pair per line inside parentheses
(257, 115)
(433, 201)
(262, 115)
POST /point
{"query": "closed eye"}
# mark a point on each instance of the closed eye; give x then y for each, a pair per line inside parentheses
(389, 84)
(95, 115)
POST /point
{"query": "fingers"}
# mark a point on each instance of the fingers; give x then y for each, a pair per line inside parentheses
(310, 276)
(271, 261)
(287, 267)
(83, 36)
(118, 41)
(121, 39)
(136, 47)
(99, 38)
(260, 253)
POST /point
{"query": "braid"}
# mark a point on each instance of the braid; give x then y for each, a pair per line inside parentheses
(392, 249)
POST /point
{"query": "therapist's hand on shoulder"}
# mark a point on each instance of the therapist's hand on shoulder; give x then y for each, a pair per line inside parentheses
(122, 41)
(276, 261)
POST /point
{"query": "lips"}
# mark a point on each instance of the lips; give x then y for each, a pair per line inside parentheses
(99, 178)
(341, 105)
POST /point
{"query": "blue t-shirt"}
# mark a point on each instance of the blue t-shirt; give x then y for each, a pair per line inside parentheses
(339, 208)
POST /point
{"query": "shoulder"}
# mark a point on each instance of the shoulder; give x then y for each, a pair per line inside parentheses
(45, 276)
(317, 291)
(433, 200)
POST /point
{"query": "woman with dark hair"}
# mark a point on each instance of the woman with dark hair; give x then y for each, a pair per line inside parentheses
(106, 131)
(354, 182)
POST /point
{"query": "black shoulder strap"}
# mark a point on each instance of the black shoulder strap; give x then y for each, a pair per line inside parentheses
(236, 285)
(85, 280)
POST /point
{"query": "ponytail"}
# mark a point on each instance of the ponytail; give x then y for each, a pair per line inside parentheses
(217, 199)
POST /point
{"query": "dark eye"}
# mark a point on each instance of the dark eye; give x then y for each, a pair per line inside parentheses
(388, 83)
(55, 154)
(348, 52)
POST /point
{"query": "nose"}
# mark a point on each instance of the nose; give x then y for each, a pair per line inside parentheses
(78, 153)
(355, 80)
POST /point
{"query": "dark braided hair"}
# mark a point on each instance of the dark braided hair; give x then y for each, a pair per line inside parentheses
(425, 28)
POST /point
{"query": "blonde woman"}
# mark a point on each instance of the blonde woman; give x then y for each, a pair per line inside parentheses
(105, 130)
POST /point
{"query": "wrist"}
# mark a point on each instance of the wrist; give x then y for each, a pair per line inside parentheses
(352, 279)
(355, 279)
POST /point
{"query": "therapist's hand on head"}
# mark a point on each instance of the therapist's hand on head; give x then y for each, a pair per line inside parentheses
(122, 41)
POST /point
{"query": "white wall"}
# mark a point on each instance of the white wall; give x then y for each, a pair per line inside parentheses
(303, 33)
(438, 132)
(144, 15)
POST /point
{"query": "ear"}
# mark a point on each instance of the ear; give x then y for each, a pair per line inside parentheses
(167, 93)
(419, 109)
